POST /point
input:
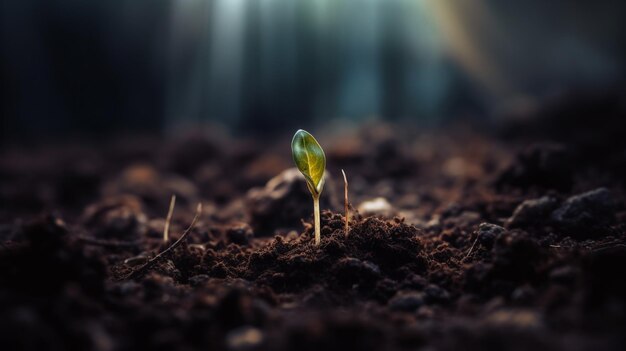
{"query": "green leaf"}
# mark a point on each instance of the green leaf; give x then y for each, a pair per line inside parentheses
(310, 160)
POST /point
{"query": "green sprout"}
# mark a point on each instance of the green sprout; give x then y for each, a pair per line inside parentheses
(311, 161)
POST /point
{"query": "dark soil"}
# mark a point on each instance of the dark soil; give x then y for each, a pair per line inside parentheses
(489, 243)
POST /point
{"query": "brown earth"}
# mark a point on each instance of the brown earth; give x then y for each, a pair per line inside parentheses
(460, 260)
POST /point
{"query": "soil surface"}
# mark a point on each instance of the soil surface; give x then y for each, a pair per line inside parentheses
(459, 240)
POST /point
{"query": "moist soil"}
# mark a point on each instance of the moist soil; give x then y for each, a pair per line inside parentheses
(495, 241)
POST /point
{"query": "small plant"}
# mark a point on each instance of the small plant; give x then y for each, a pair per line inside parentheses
(311, 161)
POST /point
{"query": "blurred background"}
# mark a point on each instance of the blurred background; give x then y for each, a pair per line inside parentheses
(100, 68)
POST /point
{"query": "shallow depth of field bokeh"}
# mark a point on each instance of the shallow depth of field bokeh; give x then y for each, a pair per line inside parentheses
(483, 143)
(263, 66)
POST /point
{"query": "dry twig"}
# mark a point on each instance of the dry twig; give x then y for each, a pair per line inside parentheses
(345, 199)
(168, 220)
(135, 273)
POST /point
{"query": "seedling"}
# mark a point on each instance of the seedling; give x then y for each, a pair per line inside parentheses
(311, 162)
(345, 200)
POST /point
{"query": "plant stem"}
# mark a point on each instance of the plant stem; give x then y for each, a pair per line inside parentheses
(345, 199)
(168, 219)
(153, 260)
(316, 214)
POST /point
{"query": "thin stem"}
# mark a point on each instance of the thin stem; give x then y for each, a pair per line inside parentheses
(153, 260)
(316, 214)
(168, 220)
(345, 200)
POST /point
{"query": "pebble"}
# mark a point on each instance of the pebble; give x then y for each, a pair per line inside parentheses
(519, 319)
(375, 207)
(240, 234)
(487, 233)
(436, 294)
(244, 338)
(585, 212)
(564, 275)
(136, 260)
(119, 217)
(532, 211)
(406, 301)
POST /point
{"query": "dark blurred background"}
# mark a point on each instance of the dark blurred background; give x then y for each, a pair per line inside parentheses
(97, 68)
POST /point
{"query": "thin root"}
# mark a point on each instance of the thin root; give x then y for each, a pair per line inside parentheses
(135, 273)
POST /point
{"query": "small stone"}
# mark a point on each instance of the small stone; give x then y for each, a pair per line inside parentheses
(240, 234)
(564, 275)
(584, 214)
(406, 301)
(488, 233)
(375, 207)
(516, 319)
(244, 338)
(531, 212)
(119, 217)
(436, 294)
(414, 281)
(136, 260)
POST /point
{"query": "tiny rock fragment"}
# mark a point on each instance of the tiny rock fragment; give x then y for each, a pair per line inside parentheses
(564, 274)
(119, 217)
(136, 260)
(530, 212)
(515, 319)
(406, 301)
(488, 233)
(436, 294)
(375, 207)
(585, 214)
(244, 338)
(239, 233)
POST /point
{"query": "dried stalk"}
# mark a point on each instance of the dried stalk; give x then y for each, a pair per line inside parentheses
(135, 273)
(168, 220)
(345, 199)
